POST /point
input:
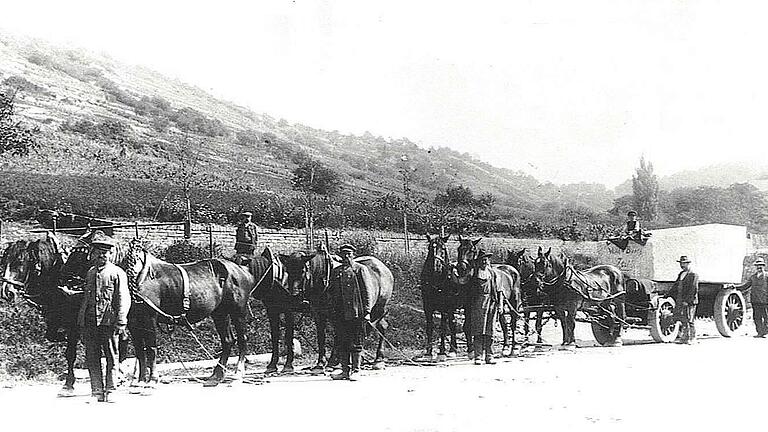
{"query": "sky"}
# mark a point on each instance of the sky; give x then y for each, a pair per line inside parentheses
(568, 91)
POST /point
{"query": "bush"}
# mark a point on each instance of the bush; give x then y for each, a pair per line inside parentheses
(363, 241)
(184, 251)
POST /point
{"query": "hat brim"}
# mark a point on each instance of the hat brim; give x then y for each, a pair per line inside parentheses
(684, 261)
(101, 245)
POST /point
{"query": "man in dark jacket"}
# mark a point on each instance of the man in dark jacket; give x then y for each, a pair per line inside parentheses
(757, 284)
(351, 309)
(103, 316)
(686, 290)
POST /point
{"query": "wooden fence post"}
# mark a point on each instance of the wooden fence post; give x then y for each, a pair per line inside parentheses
(136, 228)
(210, 238)
(187, 229)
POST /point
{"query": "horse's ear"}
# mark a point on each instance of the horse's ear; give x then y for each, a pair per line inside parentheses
(549, 251)
(429, 238)
(475, 242)
(460, 239)
(446, 238)
(540, 251)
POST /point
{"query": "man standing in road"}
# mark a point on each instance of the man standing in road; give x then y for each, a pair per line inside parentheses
(103, 316)
(486, 299)
(246, 236)
(757, 284)
(351, 309)
(686, 288)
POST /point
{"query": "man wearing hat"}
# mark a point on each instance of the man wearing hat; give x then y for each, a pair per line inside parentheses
(632, 229)
(485, 302)
(349, 296)
(246, 235)
(103, 315)
(757, 285)
(686, 290)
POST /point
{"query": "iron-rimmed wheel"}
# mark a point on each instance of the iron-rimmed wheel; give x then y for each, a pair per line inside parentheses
(662, 321)
(730, 308)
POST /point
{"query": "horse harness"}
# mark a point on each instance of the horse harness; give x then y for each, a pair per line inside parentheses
(567, 282)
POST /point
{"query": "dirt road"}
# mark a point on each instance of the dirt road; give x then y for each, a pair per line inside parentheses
(640, 386)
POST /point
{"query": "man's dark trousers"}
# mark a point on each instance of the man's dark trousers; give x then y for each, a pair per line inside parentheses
(350, 334)
(760, 315)
(687, 315)
(98, 339)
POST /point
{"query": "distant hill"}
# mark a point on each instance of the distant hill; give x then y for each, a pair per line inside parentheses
(720, 175)
(99, 117)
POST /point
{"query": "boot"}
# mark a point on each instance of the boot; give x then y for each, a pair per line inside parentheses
(356, 362)
(344, 375)
(478, 343)
(489, 351)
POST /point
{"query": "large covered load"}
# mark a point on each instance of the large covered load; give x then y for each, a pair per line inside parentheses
(716, 250)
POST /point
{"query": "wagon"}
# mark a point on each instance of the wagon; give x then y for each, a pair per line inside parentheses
(717, 253)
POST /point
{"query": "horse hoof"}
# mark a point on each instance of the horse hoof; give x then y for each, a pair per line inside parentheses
(471, 355)
(271, 369)
(287, 369)
(452, 355)
(379, 365)
(441, 357)
(212, 382)
(317, 369)
(506, 352)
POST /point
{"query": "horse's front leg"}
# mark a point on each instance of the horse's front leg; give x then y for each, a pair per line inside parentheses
(561, 316)
(539, 326)
(320, 327)
(452, 332)
(73, 337)
(274, 330)
(289, 324)
(222, 322)
(443, 331)
(467, 327)
(429, 324)
(505, 350)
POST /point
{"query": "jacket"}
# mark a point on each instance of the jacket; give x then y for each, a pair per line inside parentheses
(687, 288)
(757, 285)
(349, 292)
(246, 237)
(484, 288)
(106, 296)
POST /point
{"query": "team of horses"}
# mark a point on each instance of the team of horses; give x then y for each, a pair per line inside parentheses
(185, 294)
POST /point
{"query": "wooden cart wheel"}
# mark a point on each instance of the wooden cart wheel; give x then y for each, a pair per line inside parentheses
(662, 321)
(729, 311)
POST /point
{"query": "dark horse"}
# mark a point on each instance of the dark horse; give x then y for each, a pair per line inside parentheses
(598, 291)
(312, 270)
(440, 293)
(510, 287)
(532, 295)
(186, 294)
(37, 271)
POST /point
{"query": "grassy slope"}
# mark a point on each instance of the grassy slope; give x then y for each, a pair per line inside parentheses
(69, 86)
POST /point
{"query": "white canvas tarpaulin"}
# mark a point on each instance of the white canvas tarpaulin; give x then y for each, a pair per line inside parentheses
(716, 250)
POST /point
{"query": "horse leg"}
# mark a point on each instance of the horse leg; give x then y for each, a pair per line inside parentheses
(289, 320)
(443, 329)
(381, 326)
(561, 316)
(468, 333)
(452, 330)
(274, 330)
(238, 319)
(223, 328)
(429, 319)
(505, 350)
(513, 328)
(335, 346)
(73, 337)
(572, 325)
(539, 326)
(140, 346)
(320, 325)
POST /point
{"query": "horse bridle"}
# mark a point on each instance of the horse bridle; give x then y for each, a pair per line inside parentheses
(308, 278)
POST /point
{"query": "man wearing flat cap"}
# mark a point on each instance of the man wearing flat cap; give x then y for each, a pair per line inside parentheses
(485, 303)
(632, 228)
(757, 285)
(352, 310)
(246, 235)
(103, 315)
(686, 291)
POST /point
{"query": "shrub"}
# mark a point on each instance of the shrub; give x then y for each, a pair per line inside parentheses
(184, 251)
(363, 241)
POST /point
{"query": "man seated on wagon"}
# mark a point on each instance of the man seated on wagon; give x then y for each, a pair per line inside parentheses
(632, 229)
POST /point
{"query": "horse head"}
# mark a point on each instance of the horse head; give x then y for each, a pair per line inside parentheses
(526, 266)
(548, 268)
(297, 266)
(467, 254)
(17, 267)
(437, 257)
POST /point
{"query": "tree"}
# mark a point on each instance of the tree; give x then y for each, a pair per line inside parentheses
(645, 190)
(458, 208)
(312, 179)
(15, 138)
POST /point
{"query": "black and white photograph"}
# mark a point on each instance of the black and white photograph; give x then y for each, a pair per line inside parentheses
(383, 216)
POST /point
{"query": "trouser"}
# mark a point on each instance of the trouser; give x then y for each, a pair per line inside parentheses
(483, 342)
(686, 315)
(350, 334)
(98, 339)
(760, 315)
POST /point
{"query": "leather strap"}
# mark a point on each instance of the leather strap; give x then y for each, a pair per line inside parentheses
(185, 288)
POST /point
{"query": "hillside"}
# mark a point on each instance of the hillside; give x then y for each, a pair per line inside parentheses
(720, 175)
(104, 119)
